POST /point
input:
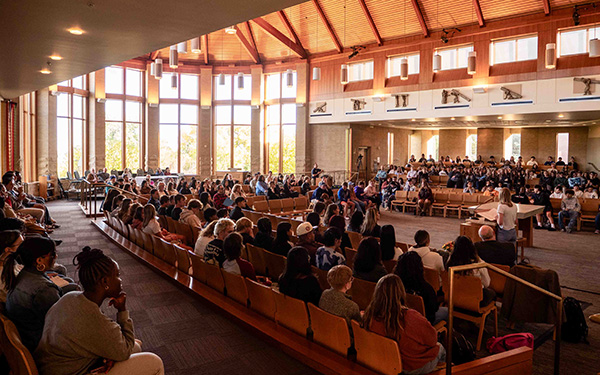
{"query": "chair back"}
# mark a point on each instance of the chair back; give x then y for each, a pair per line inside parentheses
(301, 203)
(390, 265)
(18, 357)
(261, 205)
(275, 264)
(186, 231)
(162, 220)
(497, 281)
(147, 241)
(415, 302)
(260, 198)
(235, 287)
(403, 246)
(468, 291)
(362, 292)
(470, 199)
(261, 299)
(198, 268)
(440, 198)
(214, 279)
(157, 248)
(455, 199)
(256, 257)
(275, 206)
(329, 330)
(287, 204)
(322, 277)
(350, 255)
(376, 352)
(183, 259)
(169, 253)
(291, 313)
(171, 225)
(432, 277)
(355, 239)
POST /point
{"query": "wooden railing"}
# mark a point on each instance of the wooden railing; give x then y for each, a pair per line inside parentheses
(467, 267)
(89, 196)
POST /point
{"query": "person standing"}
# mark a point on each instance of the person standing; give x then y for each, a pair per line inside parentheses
(506, 218)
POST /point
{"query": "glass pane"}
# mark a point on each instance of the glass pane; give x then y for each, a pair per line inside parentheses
(222, 114)
(62, 104)
(62, 146)
(272, 86)
(527, 48)
(471, 149)
(132, 146)
(223, 149)
(223, 92)
(188, 149)
(65, 83)
(169, 113)
(133, 111)
(168, 147)
(77, 106)
(433, 146)
(562, 146)
(165, 89)
(113, 145)
(289, 148)
(242, 114)
(189, 86)
(504, 51)
(273, 114)
(113, 110)
(114, 80)
(413, 64)
(573, 42)
(189, 114)
(463, 56)
(394, 66)
(368, 70)
(355, 72)
(78, 146)
(288, 92)
(78, 82)
(273, 146)
(448, 59)
(288, 114)
(246, 92)
(241, 147)
(134, 82)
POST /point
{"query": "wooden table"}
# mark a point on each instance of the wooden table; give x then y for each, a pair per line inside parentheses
(525, 214)
(470, 228)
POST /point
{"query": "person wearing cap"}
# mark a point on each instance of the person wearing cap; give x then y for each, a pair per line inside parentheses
(306, 239)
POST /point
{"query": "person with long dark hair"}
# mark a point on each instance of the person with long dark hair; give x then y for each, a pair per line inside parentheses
(410, 270)
(367, 263)
(282, 243)
(31, 294)
(339, 222)
(388, 316)
(387, 242)
(356, 222)
(79, 338)
(264, 236)
(297, 279)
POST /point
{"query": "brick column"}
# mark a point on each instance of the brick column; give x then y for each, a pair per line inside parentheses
(302, 128)
(96, 120)
(205, 134)
(257, 151)
(151, 127)
(46, 132)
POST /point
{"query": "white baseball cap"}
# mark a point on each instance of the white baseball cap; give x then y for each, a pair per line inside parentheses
(303, 229)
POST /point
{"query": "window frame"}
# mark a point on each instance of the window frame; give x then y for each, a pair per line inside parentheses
(457, 48)
(364, 64)
(514, 39)
(587, 29)
(27, 132)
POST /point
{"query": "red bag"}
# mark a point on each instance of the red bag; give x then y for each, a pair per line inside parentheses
(508, 342)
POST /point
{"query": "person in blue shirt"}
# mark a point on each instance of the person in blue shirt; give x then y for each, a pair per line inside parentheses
(261, 186)
(344, 199)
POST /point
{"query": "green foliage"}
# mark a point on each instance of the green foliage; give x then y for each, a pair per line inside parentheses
(113, 146)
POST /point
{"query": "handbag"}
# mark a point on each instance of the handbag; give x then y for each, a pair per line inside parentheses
(505, 343)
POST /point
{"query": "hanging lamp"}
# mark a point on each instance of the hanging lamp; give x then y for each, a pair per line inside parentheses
(158, 68)
(437, 62)
(195, 45)
(550, 55)
(240, 81)
(173, 58)
(472, 63)
(174, 81)
(182, 47)
(403, 69)
(289, 78)
(316, 73)
(344, 74)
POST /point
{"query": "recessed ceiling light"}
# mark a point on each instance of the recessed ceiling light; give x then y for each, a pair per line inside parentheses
(56, 57)
(452, 118)
(499, 117)
(45, 71)
(548, 120)
(231, 30)
(561, 115)
(75, 31)
(413, 120)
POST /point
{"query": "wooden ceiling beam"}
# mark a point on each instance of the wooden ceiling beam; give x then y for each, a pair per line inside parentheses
(547, 9)
(289, 27)
(480, 18)
(248, 46)
(363, 5)
(154, 55)
(420, 17)
(334, 38)
(271, 30)
(251, 35)
(205, 48)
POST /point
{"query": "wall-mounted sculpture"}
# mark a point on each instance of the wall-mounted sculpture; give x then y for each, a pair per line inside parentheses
(510, 94)
(401, 103)
(358, 104)
(456, 94)
(320, 108)
(588, 84)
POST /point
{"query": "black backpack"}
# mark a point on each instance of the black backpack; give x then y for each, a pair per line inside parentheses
(462, 349)
(575, 329)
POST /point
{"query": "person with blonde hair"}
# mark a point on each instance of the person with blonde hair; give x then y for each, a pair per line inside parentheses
(151, 226)
(236, 192)
(204, 238)
(214, 249)
(506, 218)
(370, 226)
(335, 300)
(244, 227)
(388, 316)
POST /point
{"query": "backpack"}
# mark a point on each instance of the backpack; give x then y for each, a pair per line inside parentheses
(462, 349)
(575, 329)
(505, 343)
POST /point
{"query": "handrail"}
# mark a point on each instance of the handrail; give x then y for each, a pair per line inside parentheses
(473, 266)
(88, 195)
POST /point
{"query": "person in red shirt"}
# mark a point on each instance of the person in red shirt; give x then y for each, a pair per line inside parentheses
(219, 197)
(417, 339)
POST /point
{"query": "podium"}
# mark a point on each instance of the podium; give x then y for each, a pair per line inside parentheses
(470, 228)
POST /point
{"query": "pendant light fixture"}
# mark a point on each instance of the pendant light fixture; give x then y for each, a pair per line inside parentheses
(195, 45)
(437, 62)
(550, 55)
(182, 47)
(316, 74)
(472, 63)
(289, 78)
(158, 68)
(403, 69)
(174, 81)
(594, 45)
(153, 68)
(231, 30)
(173, 57)
(344, 74)
(221, 79)
(240, 81)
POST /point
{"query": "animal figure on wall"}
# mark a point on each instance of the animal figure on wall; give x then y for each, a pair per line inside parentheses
(358, 104)
(588, 84)
(404, 98)
(321, 108)
(445, 94)
(457, 95)
(510, 94)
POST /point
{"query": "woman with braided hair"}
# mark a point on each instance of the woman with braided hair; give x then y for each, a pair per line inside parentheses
(31, 293)
(79, 338)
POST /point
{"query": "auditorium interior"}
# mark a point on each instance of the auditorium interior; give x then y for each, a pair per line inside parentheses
(418, 115)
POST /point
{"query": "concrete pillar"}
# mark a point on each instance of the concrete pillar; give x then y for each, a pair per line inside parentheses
(96, 122)
(46, 132)
(302, 128)
(257, 152)
(151, 128)
(205, 135)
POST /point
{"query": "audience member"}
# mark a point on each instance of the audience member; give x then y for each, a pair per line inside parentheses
(327, 255)
(367, 263)
(79, 338)
(332, 210)
(389, 251)
(124, 209)
(430, 258)
(388, 316)
(213, 254)
(244, 227)
(207, 235)
(236, 213)
(138, 216)
(179, 205)
(282, 243)
(506, 218)
(335, 300)
(210, 215)
(306, 239)
(425, 199)
(339, 222)
(569, 209)
(232, 247)
(493, 251)
(164, 204)
(297, 279)
(9, 243)
(264, 236)
(356, 222)
(370, 226)
(191, 214)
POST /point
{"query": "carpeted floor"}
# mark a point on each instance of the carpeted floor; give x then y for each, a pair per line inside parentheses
(192, 338)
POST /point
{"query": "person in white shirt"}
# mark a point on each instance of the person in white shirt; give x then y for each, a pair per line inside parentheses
(191, 214)
(589, 193)
(204, 238)
(578, 192)
(532, 162)
(430, 258)
(412, 173)
(558, 193)
(506, 218)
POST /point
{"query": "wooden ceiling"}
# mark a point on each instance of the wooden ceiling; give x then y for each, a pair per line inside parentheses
(346, 23)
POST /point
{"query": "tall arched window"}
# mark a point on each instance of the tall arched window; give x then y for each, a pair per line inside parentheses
(280, 100)
(71, 116)
(471, 150)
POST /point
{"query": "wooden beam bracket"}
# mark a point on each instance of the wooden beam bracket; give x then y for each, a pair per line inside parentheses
(480, 18)
(271, 30)
(420, 17)
(251, 49)
(363, 5)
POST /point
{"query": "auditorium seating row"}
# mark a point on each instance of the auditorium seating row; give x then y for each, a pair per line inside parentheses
(371, 350)
(589, 210)
(446, 203)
